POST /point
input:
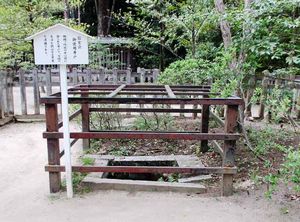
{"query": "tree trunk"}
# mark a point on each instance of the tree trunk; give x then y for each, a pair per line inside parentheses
(224, 25)
(66, 16)
(102, 17)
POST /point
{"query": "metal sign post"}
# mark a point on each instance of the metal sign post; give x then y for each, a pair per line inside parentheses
(61, 45)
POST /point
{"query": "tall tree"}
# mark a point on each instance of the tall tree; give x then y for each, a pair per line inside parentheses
(102, 10)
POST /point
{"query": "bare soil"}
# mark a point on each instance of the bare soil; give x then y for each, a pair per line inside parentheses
(24, 193)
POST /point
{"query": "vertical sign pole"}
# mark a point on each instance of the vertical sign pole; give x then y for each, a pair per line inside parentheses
(66, 129)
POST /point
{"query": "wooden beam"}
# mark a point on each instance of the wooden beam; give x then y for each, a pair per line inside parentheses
(170, 92)
(145, 169)
(144, 135)
(144, 110)
(116, 91)
(117, 100)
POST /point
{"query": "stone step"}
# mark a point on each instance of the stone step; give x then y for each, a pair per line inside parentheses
(139, 185)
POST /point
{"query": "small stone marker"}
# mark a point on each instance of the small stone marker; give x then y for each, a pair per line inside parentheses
(61, 45)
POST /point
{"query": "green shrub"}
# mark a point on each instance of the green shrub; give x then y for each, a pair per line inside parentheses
(189, 71)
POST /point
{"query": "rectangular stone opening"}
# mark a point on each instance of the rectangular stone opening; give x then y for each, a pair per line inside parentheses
(143, 176)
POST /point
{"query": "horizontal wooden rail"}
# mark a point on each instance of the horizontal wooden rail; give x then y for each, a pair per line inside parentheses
(143, 169)
(146, 86)
(145, 110)
(124, 92)
(91, 100)
(72, 116)
(144, 135)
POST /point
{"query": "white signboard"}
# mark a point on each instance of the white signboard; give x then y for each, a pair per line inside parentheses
(60, 44)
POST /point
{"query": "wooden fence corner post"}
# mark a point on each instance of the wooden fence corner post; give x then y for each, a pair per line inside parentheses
(204, 125)
(23, 91)
(10, 93)
(231, 124)
(53, 146)
(36, 92)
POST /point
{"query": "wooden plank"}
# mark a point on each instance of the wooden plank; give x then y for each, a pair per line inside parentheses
(53, 146)
(144, 110)
(23, 91)
(117, 100)
(145, 169)
(144, 135)
(170, 92)
(36, 93)
(116, 91)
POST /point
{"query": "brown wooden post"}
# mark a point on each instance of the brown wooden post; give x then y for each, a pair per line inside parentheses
(53, 146)
(85, 119)
(10, 93)
(23, 91)
(204, 125)
(231, 117)
(36, 92)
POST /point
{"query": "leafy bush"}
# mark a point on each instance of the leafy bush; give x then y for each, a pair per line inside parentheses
(189, 71)
(154, 122)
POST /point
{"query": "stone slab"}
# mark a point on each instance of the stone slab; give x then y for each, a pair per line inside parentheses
(139, 185)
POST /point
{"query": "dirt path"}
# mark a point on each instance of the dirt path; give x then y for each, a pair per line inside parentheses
(24, 193)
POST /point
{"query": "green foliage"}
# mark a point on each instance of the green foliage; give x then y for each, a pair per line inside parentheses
(189, 71)
(86, 161)
(77, 179)
(290, 170)
(105, 120)
(267, 139)
(20, 19)
(119, 151)
(153, 122)
(278, 102)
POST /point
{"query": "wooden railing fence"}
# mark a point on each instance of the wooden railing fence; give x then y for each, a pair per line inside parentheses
(20, 92)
